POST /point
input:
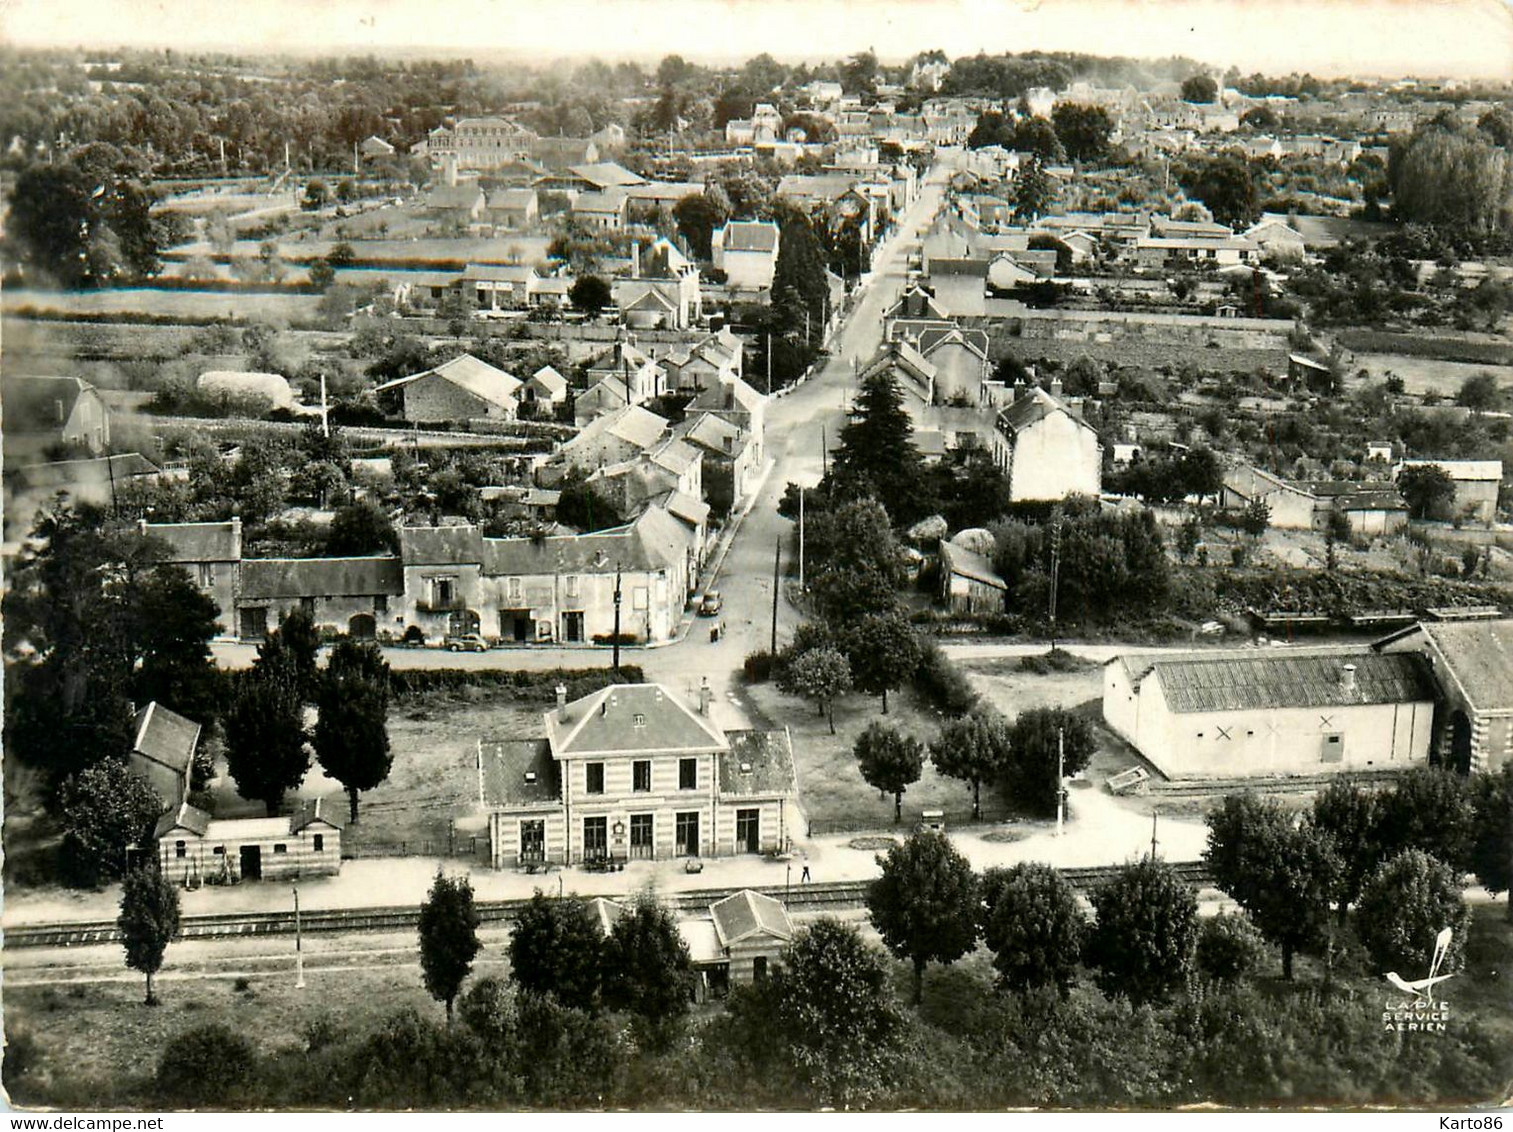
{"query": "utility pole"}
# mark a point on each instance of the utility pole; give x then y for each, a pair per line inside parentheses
(325, 410)
(617, 618)
(824, 453)
(1153, 835)
(1060, 779)
(777, 558)
(1055, 571)
(769, 363)
(801, 540)
(299, 952)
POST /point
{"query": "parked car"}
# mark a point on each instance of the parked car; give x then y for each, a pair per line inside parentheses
(711, 604)
(468, 642)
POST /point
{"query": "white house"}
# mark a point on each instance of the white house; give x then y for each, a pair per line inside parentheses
(1047, 451)
(1239, 713)
(747, 252)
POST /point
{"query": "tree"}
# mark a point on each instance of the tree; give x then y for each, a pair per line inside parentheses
(884, 651)
(877, 455)
(149, 919)
(1480, 393)
(291, 651)
(1407, 902)
(1491, 854)
(1428, 808)
(1032, 924)
(924, 904)
(975, 748)
(203, 1059)
(1034, 191)
(1083, 131)
(1199, 88)
(1037, 136)
(1255, 518)
(351, 735)
(647, 968)
(1450, 177)
(171, 624)
(265, 737)
(1281, 871)
(317, 196)
(448, 937)
(590, 293)
(857, 560)
(1428, 490)
(890, 761)
(79, 227)
(697, 217)
(1227, 185)
(1034, 740)
(342, 254)
(322, 275)
(819, 675)
(361, 528)
(824, 1020)
(1147, 927)
(1229, 948)
(1351, 815)
(799, 284)
(103, 809)
(556, 948)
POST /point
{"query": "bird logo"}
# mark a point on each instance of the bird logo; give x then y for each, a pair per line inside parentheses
(1422, 990)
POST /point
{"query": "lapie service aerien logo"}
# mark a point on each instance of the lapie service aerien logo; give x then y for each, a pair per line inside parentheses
(1420, 1012)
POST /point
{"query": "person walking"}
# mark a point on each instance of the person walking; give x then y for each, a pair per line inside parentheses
(804, 876)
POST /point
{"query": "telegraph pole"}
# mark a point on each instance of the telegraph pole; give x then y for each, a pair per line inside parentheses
(1060, 779)
(769, 363)
(299, 953)
(617, 619)
(777, 558)
(824, 452)
(801, 540)
(1055, 571)
(1153, 835)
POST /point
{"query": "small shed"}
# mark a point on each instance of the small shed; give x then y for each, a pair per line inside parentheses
(194, 847)
(162, 752)
(752, 930)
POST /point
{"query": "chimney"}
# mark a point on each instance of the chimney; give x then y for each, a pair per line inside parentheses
(1074, 406)
(561, 699)
(635, 259)
(1347, 678)
(1020, 389)
(449, 169)
(1056, 387)
(706, 694)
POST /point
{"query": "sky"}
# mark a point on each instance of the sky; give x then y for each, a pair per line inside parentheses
(1444, 38)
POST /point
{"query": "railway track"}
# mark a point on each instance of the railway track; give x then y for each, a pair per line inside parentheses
(833, 896)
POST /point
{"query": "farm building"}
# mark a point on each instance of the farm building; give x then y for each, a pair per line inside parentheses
(194, 847)
(1476, 485)
(1045, 448)
(1291, 506)
(464, 388)
(968, 582)
(211, 552)
(1238, 713)
(1473, 662)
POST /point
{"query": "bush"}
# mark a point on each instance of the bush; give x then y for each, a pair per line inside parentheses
(757, 667)
(542, 684)
(209, 1066)
(1229, 948)
(942, 683)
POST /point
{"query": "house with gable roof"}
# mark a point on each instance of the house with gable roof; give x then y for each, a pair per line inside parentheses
(212, 553)
(1473, 664)
(193, 846)
(632, 772)
(464, 388)
(552, 587)
(747, 252)
(1046, 450)
(1240, 713)
(162, 751)
(624, 434)
(545, 387)
(44, 411)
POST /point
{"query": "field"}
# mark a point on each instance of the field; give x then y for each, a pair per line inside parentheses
(419, 250)
(1427, 375)
(1149, 354)
(177, 304)
(831, 788)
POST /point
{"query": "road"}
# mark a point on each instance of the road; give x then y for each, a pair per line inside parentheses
(799, 426)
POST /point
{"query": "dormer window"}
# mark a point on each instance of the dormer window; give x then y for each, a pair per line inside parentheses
(639, 720)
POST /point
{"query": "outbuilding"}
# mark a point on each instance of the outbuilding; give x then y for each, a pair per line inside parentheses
(1244, 713)
(194, 847)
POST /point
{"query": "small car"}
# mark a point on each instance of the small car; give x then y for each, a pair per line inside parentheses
(468, 642)
(711, 604)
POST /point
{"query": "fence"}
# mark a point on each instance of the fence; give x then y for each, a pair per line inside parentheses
(955, 820)
(474, 847)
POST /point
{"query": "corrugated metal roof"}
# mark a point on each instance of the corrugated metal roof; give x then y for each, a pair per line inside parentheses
(1480, 653)
(1267, 680)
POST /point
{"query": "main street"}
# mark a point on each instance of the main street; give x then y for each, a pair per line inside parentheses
(799, 425)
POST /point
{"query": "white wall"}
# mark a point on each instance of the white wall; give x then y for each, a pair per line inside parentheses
(1053, 458)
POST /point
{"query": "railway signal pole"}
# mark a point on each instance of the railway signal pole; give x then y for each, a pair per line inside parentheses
(299, 952)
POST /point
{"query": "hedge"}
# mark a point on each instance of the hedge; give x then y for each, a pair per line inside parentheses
(540, 683)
